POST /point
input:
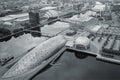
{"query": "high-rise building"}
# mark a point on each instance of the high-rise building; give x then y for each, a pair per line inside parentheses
(34, 18)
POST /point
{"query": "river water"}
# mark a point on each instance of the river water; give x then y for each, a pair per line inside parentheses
(68, 67)
(71, 68)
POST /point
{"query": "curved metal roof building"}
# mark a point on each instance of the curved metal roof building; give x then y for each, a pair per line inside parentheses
(35, 57)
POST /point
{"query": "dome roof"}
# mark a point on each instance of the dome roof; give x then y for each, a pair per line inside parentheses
(51, 14)
(82, 41)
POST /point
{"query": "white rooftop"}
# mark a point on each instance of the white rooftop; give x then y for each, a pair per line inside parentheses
(82, 41)
(11, 17)
(19, 15)
(48, 8)
(98, 3)
(83, 17)
(99, 7)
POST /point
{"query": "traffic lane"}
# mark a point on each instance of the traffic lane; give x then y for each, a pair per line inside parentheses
(72, 68)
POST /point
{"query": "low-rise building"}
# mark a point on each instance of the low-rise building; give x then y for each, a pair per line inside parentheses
(82, 43)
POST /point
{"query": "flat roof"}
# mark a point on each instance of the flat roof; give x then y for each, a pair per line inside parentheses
(11, 17)
(22, 19)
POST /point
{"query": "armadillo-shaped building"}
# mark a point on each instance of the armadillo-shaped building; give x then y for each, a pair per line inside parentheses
(36, 56)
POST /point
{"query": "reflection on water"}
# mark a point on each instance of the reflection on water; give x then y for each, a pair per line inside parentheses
(19, 45)
(18, 32)
(70, 68)
(22, 42)
(5, 39)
